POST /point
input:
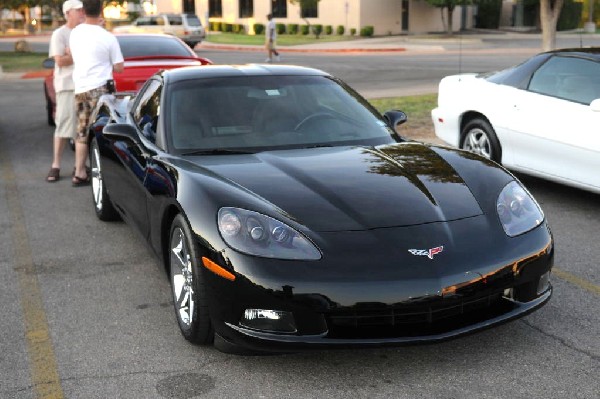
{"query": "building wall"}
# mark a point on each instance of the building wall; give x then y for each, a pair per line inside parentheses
(384, 15)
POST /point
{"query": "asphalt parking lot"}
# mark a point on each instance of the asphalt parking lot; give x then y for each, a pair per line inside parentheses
(87, 312)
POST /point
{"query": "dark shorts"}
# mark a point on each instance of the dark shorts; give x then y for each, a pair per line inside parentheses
(84, 105)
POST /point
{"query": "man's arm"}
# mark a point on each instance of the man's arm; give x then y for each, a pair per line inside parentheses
(64, 60)
(118, 67)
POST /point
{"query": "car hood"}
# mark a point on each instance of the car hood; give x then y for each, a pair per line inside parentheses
(352, 188)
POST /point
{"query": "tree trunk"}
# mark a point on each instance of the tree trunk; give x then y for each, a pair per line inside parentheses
(450, 27)
(549, 13)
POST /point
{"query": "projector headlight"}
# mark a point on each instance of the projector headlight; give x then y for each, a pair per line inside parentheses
(517, 210)
(256, 234)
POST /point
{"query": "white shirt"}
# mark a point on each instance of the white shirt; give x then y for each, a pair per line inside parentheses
(94, 52)
(271, 27)
(63, 76)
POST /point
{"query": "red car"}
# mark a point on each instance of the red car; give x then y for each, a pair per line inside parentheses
(144, 54)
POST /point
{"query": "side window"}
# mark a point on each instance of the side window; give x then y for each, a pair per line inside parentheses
(569, 78)
(174, 20)
(142, 22)
(147, 110)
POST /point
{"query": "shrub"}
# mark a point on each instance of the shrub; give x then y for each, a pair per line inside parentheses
(366, 31)
(259, 29)
(238, 28)
(292, 29)
(280, 29)
(341, 30)
(328, 29)
(216, 26)
(304, 29)
(353, 31)
(227, 28)
(317, 29)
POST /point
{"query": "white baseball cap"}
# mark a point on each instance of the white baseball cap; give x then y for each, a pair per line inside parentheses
(71, 5)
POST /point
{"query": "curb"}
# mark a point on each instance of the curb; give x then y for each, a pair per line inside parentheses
(301, 50)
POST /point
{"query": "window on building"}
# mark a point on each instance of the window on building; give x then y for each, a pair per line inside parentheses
(309, 9)
(246, 8)
(279, 8)
(215, 8)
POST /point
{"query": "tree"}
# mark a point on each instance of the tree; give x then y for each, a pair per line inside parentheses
(449, 5)
(549, 13)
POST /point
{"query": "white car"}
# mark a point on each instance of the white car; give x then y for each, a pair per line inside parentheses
(187, 27)
(541, 117)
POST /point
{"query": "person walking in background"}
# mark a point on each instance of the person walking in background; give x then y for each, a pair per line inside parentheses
(271, 38)
(66, 122)
(96, 55)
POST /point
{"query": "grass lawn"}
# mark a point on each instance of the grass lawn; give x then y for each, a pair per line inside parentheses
(21, 62)
(282, 40)
(418, 109)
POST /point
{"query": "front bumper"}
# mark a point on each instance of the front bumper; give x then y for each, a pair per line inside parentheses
(357, 299)
(264, 341)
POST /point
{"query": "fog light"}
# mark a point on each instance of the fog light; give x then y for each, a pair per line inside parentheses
(544, 283)
(269, 320)
(509, 293)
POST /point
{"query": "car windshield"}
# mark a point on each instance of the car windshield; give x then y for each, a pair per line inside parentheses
(152, 46)
(255, 113)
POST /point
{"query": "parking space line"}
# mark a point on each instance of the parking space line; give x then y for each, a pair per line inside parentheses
(42, 362)
(578, 281)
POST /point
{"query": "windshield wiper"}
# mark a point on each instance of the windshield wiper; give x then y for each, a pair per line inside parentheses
(217, 151)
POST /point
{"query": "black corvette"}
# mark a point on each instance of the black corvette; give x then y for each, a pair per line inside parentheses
(289, 214)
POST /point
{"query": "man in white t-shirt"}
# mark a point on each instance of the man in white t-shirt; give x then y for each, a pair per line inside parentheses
(96, 54)
(270, 40)
(66, 122)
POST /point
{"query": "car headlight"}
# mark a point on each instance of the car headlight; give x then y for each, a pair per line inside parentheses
(517, 210)
(257, 234)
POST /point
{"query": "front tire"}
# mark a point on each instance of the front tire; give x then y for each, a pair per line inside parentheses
(187, 283)
(102, 204)
(478, 136)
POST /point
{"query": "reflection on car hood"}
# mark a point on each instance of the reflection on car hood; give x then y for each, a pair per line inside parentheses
(353, 188)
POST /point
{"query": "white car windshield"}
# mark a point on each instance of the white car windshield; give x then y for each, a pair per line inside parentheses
(270, 112)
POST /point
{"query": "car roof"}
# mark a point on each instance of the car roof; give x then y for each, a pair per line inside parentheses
(217, 71)
(586, 52)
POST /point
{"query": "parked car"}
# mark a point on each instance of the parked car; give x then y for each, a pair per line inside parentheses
(289, 213)
(187, 27)
(144, 54)
(540, 117)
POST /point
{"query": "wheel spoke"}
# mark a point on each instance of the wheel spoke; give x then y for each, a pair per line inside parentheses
(181, 275)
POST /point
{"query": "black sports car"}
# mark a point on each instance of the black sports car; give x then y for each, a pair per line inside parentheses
(290, 214)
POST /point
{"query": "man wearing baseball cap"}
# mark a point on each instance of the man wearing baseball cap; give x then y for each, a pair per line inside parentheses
(65, 118)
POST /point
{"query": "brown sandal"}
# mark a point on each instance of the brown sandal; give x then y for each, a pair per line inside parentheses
(79, 182)
(53, 175)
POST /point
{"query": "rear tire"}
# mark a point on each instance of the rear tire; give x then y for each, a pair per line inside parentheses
(102, 204)
(187, 285)
(478, 136)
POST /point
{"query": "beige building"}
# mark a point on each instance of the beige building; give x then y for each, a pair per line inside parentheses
(386, 16)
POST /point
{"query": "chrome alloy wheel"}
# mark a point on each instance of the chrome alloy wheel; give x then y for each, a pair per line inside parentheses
(182, 277)
(97, 184)
(477, 141)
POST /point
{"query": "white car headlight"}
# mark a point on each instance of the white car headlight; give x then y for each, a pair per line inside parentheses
(517, 210)
(257, 234)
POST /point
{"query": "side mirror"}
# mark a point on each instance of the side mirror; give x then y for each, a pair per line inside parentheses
(48, 63)
(121, 131)
(395, 118)
(595, 105)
